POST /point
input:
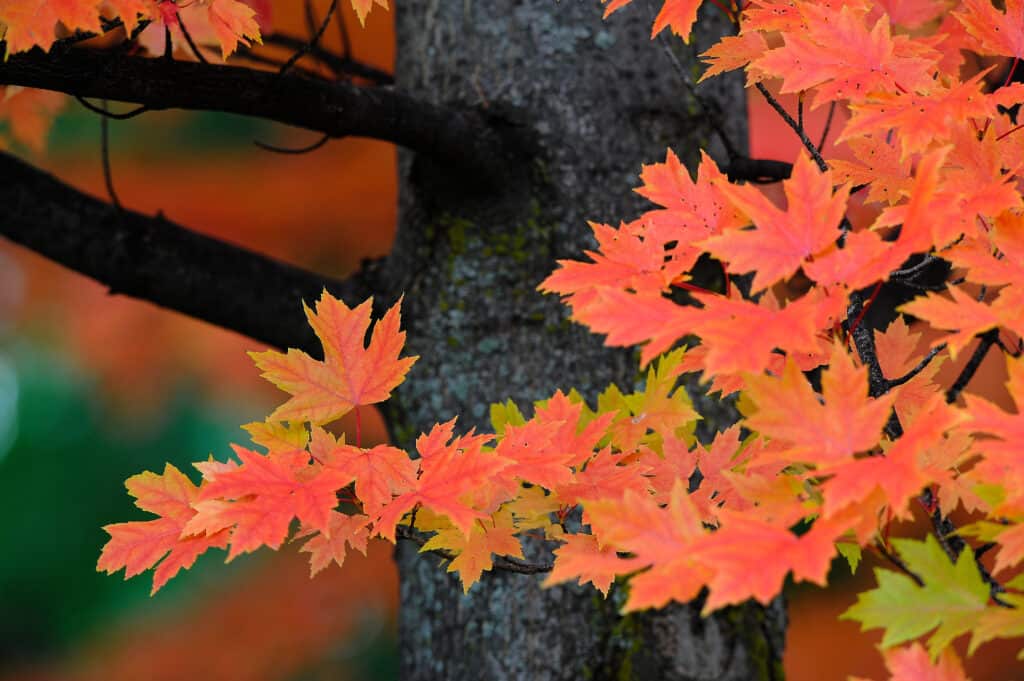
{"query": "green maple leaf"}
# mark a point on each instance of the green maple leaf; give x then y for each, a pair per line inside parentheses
(951, 601)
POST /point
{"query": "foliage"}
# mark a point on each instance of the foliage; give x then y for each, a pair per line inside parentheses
(844, 427)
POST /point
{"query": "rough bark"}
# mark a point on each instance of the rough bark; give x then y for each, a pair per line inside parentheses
(589, 102)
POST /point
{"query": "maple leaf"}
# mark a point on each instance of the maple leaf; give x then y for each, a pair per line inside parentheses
(912, 664)
(495, 535)
(898, 354)
(679, 14)
(448, 471)
(129, 11)
(34, 22)
(734, 52)
(350, 375)
(899, 474)
(536, 457)
(269, 493)
(843, 422)
(870, 61)
(624, 259)
(233, 22)
(581, 558)
(1000, 33)
(920, 117)
(379, 472)
(691, 211)
(952, 598)
(630, 319)
(29, 113)
(658, 537)
(363, 7)
(138, 546)
(999, 622)
(605, 476)
(783, 239)
(350, 530)
(751, 557)
(965, 316)
(741, 335)
(578, 433)
(276, 436)
(879, 166)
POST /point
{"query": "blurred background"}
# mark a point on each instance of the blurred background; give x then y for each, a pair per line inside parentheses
(95, 388)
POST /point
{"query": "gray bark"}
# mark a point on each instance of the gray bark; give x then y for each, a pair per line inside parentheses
(589, 102)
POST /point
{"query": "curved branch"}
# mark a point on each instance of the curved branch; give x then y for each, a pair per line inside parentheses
(153, 259)
(462, 140)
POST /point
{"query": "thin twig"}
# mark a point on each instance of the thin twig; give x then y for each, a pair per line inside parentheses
(107, 114)
(895, 560)
(808, 144)
(108, 176)
(800, 113)
(299, 54)
(828, 125)
(300, 150)
(191, 43)
(346, 42)
(910, 272)
(168, 46)
(988, 339)
(896, 382)
(711, 112)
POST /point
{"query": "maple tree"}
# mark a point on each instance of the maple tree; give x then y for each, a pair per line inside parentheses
(846, 429)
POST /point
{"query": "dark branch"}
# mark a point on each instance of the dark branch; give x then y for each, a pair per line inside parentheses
(757, 170)
(988, 339)
(158, 261)
(462, 140)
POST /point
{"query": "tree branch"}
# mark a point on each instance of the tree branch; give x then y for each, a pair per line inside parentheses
(463, 140)
(153, 259)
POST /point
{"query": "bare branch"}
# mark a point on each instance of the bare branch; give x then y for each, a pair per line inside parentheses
(153, 259)
(461, 140)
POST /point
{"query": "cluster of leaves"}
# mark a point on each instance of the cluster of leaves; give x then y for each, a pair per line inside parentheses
(848, 428)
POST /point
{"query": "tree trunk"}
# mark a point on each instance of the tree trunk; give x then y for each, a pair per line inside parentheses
(588, 102)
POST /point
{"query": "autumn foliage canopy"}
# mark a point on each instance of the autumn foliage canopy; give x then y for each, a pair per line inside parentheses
(844, 429)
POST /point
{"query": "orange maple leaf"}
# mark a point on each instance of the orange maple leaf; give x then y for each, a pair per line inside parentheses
(834, 427)
(363, 7)
(679, 14)
(496, 535)
(350, 375)
(34, 22)
(581, 558)
(914, 664)
(138, 546)
(270, 491)
(784, 239)
(662, 538)
(741, 335)
(751, 557)
(448, 471)
(965, 316)
(350, 530)
(233, 22)
(379, 472)
(999, 33)
(870, 61)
